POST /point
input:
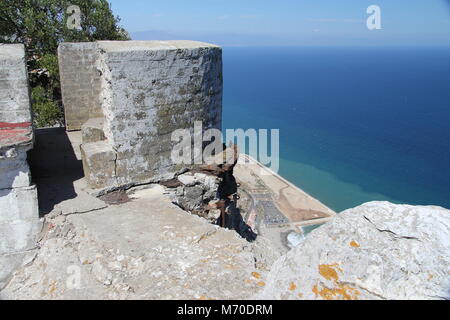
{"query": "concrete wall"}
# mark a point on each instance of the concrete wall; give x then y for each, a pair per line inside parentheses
(80, 83)
(14, 92)
(150, 89)
(19, 213)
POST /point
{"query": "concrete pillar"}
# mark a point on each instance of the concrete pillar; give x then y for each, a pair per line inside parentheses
(80, 83)
(14, 90)
(148, 90)
(19, 213)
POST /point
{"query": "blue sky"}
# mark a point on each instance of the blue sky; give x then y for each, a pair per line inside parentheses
(287, 22)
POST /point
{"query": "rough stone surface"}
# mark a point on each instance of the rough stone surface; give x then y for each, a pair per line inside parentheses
(14, 92)
(80, 83)
(143, 249)
(14, 170)
(148, 90)
(99, 164)
(376, 251)
(197, 191)
(19, 213)
(92, 130)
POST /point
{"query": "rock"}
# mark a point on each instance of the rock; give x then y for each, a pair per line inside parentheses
(211, 182)
(197, 189)
(194, 193)
(101, 273)
(115, 266)
(376, 251)
(188, 180)
(180, 192)
(213, 215)
(200, 177)
(294, 239)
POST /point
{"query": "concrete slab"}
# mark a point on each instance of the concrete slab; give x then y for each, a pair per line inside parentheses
(143, 249)
(92, 130)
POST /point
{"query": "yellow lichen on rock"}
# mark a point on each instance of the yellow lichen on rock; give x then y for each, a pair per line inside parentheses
(340, 291)
(52, 288)
(292, 287)
(328, 271)
(354, 244)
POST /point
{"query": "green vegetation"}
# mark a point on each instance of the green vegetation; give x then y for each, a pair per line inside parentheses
(41, 25)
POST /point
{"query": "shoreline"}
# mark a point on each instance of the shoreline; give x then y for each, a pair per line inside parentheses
(298, 207)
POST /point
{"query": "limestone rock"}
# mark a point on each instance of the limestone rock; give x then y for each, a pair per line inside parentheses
(196, 191)
(376, 251)
(187, 179)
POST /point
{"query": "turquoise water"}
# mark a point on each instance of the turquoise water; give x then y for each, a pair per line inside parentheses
(356, 124)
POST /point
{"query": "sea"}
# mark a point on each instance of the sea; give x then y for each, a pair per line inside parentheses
(357, 124)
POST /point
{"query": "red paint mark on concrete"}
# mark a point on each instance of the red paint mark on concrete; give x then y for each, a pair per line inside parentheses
(14, 133)
(15, 125)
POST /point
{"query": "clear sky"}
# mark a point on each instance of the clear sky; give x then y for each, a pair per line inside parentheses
(287, 22)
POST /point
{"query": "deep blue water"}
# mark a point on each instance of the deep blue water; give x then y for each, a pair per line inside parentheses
(356, 124)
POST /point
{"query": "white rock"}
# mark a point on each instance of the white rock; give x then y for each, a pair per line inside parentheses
(187, 180)
(376, 251)
(294, 239)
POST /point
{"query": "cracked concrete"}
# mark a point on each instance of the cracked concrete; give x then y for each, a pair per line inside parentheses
(143, 249)
(146, 248)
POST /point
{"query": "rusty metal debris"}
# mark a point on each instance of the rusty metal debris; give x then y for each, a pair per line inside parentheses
(223, 166)
(211, 191)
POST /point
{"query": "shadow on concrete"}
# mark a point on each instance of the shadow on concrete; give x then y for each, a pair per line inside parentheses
(54, 168)
(234, 221)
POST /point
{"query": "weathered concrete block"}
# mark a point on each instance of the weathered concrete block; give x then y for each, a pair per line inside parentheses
(19, 236)
(92, 130)
(18, 204)
(19, 213)
(150, 89)
(14, 170)
(14, 91)
(99, 164)
(80, 83)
